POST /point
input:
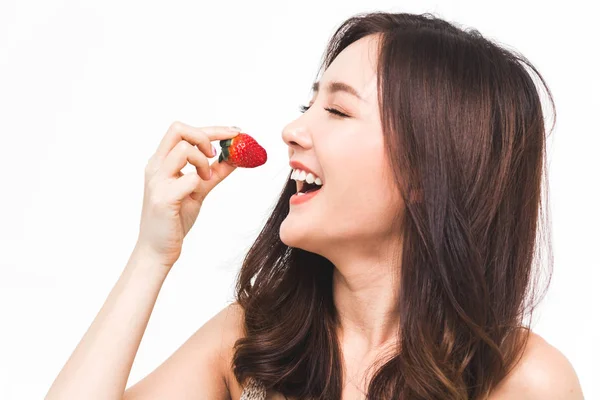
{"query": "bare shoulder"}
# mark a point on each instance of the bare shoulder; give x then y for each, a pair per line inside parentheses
(542, 373)
(234, 331)
(200, 367)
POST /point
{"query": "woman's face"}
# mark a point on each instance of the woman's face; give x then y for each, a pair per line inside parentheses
(355, 206)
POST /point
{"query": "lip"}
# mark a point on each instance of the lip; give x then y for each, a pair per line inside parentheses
(298, 165)
(295, 199)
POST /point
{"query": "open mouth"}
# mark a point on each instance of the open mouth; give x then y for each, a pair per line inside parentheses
(306, 187)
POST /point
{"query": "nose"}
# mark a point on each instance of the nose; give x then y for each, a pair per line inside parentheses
(297, 134)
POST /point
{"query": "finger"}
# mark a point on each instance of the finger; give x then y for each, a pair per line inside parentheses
(183, 186)
(197, 136)
(220, 171)
(181, 154)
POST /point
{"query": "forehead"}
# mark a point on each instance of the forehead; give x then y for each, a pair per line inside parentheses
(356, 65)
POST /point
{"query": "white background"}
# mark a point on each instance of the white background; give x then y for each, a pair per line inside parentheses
(87, 90)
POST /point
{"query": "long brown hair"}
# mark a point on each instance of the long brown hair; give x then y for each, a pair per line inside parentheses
(463, 128)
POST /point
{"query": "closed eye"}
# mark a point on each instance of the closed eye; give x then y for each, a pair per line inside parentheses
(333, 111)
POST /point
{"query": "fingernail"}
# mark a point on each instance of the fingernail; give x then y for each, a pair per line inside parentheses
(210, 175)
(236, 128)
(214, 151)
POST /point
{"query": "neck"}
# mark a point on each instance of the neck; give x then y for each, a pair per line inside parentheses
(365, 294)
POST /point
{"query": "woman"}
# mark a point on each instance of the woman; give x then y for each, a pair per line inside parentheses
(410, 272)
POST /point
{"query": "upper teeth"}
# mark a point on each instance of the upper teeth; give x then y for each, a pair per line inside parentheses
(300, 175)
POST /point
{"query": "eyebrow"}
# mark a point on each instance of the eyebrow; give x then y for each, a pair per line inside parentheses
(336, 86)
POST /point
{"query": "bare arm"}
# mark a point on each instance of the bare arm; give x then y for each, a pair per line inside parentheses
(100, 364)
(200, 368)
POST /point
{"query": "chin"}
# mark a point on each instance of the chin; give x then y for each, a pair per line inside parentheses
(288, 234)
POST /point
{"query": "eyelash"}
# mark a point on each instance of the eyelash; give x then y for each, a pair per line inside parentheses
(333, 111)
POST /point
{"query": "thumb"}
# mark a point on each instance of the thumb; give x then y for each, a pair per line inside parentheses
(220, 171)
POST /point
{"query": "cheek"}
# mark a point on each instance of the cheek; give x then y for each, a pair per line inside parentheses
(364, 160)
(378, 191)
(360, 182)
(354, 151)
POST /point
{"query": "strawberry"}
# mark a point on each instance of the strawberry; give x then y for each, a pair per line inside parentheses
(242, 151)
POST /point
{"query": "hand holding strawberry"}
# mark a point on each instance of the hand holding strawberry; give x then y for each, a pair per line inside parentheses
(172, 199)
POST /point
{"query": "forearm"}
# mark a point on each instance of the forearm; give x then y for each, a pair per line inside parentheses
(100, 364)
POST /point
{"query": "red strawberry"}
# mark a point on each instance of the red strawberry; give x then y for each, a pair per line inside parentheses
(242, 151)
